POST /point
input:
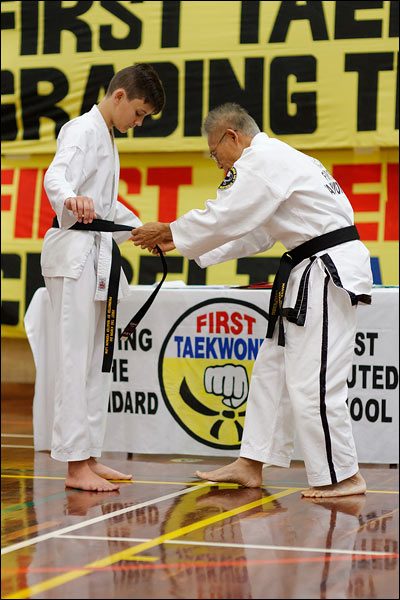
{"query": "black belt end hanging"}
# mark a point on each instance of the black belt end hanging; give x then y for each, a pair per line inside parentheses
(113, 287)
(134, 322)
(127, 332)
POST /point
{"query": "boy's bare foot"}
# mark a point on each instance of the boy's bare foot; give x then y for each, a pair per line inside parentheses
(353, 485)
(78, 503)
(81, 477)
(243, 471)
(106, 472)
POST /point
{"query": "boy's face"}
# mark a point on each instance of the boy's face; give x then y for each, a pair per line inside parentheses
(128, 114)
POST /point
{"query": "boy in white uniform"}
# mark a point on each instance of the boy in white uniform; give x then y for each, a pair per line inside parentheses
(82, 185)
(273, 192)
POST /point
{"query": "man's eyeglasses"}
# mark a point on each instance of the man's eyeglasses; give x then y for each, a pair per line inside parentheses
(212, 154)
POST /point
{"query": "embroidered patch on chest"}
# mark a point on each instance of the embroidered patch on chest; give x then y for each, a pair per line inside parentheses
(102, 284)
(229, 180)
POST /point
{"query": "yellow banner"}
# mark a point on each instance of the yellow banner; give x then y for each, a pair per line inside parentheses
(315, 74)
(164, 186)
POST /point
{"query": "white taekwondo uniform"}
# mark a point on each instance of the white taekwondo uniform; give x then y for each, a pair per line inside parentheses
(76, 267)
(276, 193)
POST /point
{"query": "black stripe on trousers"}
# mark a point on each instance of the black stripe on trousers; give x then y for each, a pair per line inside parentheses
(322, 382)
(328, 545)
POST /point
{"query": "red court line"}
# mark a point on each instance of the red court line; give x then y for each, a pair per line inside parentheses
(201, 564)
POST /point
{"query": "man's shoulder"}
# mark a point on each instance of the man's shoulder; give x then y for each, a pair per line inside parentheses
(263, 149)
(274, 161)
(276, 151)
(265, 144)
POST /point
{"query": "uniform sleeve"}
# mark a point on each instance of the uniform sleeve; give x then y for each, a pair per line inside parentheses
(252, 243)
(124, 216)
(63, 179)
(243, 203)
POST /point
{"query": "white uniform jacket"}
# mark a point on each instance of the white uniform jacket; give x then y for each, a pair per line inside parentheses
(274, 193)
(86, 164)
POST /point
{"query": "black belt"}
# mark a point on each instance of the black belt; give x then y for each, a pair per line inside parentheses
(113, 287)
(291, 259)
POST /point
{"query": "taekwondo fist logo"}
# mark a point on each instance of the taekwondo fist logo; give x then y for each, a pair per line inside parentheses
(229, 381)
(205, 367)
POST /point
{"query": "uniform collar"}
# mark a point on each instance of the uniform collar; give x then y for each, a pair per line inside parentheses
(98, 117)
(259, 138)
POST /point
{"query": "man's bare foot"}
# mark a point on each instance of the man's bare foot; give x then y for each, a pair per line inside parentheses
(243, 471)
(81, 477)
(353, 485)
(350, 505)
(106, 472)
(226, 499)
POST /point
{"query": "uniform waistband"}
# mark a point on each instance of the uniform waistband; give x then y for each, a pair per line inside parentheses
(291, 259)
(113, 286)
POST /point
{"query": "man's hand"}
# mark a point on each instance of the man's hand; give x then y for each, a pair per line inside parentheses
(82, 207)
(166, 247)
(151, 234)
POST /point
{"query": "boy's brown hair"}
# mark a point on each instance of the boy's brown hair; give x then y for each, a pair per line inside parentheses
(140, 80)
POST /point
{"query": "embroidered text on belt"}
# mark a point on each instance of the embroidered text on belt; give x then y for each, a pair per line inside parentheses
(291, 259)
(113, 287)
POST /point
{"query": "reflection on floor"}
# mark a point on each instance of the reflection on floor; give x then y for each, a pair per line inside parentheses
(167, 534)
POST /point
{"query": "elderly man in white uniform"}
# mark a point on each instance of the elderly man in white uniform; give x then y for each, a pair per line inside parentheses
(272, 192)
(82, 185)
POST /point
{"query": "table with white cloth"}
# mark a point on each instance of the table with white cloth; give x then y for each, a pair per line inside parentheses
(180, 384)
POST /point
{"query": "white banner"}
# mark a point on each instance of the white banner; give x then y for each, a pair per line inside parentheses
(165, 397)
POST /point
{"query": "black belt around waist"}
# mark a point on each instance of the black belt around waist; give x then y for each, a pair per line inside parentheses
(113, 287)
(291, 259)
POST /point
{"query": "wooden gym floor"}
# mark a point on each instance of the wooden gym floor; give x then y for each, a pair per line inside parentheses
(169, 535)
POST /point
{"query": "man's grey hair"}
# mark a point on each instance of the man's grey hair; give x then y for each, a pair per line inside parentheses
(232, 116)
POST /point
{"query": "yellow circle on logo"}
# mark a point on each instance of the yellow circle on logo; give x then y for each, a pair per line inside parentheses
(205, 368)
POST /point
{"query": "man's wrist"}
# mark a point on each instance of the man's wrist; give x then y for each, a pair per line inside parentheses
(167, 233)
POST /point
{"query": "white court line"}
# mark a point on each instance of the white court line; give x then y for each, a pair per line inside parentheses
(16, 435)
(15, 446)
(56, 533)
(223, 545)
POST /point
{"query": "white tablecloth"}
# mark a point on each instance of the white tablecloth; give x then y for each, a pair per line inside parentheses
(161, 400)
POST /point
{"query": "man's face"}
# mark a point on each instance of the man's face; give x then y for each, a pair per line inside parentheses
(129, 113)
(225, 147)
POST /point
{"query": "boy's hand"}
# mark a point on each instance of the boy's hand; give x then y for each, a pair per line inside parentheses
(82, 207)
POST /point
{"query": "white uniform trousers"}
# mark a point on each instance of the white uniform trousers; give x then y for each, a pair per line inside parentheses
(301, 389)
(81, 389)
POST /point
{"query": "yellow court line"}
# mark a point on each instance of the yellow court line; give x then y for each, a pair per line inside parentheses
(382, 491)
(129, 553)
(149, 481)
